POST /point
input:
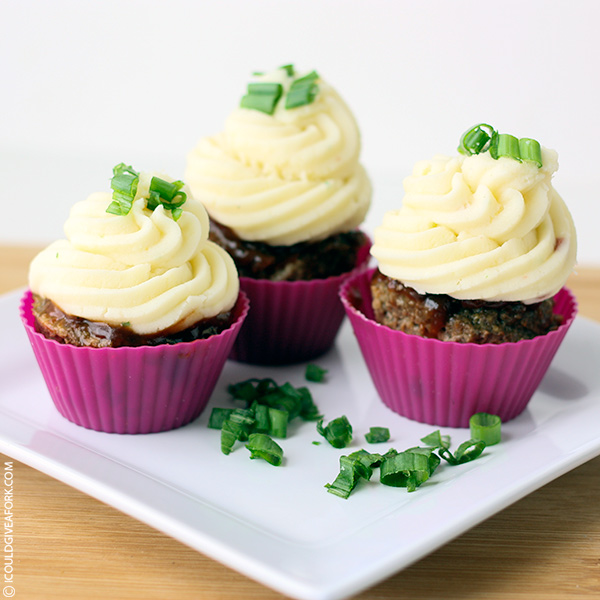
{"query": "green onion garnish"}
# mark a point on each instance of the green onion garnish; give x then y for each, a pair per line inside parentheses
(303, 91)
(410, 468)
(125, 183)
(530, 150)
(484, 137)
(315, 373)
(466, 452)
(377, 435)
(476, 140)
(486, 427)
(268, 409)
(346, 479)
(436, 440)
(289, 69)
(262, 97)
(218, 416)
(278, 420)
(338, 432)
(262, 446)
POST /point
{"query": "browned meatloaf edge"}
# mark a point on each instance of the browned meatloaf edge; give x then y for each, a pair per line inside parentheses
(448, 319)
(56, 325)
(332, 256)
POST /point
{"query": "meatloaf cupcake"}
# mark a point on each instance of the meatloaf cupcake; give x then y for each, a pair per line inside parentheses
(132, 317)
(285, 193)
(467, 307)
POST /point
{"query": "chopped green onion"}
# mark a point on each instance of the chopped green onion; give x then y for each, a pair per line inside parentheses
(302, 91)
(278, 420)
(230, 433)
(289, 69)
(262, 97)
(486, 427)
(314, 373)
(124, 184)
(466, 452)
(483, 137)
(261, 416)
(377, 435)
(530, 150)
(338, 432)
(262, 446)
(436, 440)
(218, 416)
(352, 468)
(505, 144)
(409, 469)
(476, 140)
(346, 479)
(368, 460)
(308, 409)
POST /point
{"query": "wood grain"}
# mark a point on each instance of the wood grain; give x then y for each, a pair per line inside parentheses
(70, 546)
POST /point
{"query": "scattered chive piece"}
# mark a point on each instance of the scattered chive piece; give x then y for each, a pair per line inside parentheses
(289, 69)
(377, 435)
(338, 432)
(278, 420)
(436, 440)
(126, 324)
(302, 91)
(315, 373)
(125, 183)
(262, 97)
(218, 416)
(486, 427)
(530, 150)
(315, 443)
(409, 469)
(484, 137)
(476, 139)
(466, 452)
(230, 433)
(351, 470)
(268, 409)
(262, 446)
(505, 144)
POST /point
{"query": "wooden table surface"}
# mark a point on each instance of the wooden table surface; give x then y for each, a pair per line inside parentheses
(71, 546)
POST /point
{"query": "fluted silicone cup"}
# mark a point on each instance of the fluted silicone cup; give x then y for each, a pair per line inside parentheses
(292, 321)
(144, 389)
(444, 383)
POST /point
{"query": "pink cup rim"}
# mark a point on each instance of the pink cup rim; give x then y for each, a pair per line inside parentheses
(568, 316)
(240, 309)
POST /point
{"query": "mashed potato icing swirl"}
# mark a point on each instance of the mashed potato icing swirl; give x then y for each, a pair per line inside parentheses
(479, 228)
(144, 269)
(289, 177)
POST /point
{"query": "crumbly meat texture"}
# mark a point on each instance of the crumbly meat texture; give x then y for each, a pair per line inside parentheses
(447, 319)
(332, 256)
(56, 325)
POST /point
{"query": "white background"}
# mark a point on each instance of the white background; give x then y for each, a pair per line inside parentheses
(86, 85)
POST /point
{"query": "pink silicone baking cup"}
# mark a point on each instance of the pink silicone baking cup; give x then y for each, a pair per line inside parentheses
(292, 321)
(444, 383)
(145, 389)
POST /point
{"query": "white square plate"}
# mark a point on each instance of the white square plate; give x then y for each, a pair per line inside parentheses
(279, 525)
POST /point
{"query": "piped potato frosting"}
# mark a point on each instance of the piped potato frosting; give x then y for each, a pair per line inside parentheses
(144, 269)
(478, 227)
(286, 177)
